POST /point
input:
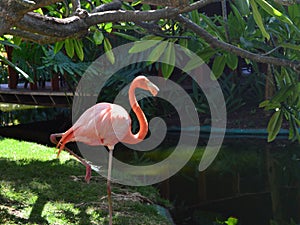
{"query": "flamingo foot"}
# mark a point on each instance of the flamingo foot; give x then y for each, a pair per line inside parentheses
(58, 153)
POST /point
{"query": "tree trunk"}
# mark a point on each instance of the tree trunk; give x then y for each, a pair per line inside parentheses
(12, 74)
(33, 86)
(55, 82)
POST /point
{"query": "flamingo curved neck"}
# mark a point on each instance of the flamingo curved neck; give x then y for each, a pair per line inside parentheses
(143, 124)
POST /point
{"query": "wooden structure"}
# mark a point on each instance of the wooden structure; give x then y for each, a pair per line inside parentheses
(42, 97)
(53, 93)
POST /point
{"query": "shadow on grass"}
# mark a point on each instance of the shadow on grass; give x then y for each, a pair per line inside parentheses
(27, 187)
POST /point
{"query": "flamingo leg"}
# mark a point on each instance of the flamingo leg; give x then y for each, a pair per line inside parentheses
(88, 170)
(109, 184)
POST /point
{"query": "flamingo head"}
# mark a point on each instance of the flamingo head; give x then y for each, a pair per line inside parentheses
(146, 84)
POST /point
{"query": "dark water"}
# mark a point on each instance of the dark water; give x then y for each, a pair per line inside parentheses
(31, 123)
(250, 180)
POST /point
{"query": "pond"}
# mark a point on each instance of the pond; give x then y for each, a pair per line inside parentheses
(14, 114)
(32, 123)
(250, 180)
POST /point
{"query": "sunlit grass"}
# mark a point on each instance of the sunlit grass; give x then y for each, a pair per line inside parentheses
(38, 188)
(6, 107)
(21, 150)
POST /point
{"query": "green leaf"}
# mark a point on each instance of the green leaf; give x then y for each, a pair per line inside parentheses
(169, 56)
(126, 36)
(17, 40)
(39, 10)
(58, 46)
(193, 63)
(195, 17)
(231, 221)
(232, 61)
(274, 125)
(213, 26)
(69, 46)
(8, 43)
(106, 1)
(79, 49)
(206, 53)
(264, 104)
(258, 19)
(290, 46)
(218, 66)
(239, 17)
(157, 52)
(25, 75)
(274, 12)
(152, 37)
(135, 3)
(183, 42)
(291, 128)
(108, 27)
(141, 46)
(167, 70)
(146, 7)
(283, 93)
(109, 53)
(298, 122)
(294, 11)
(98, 37)
(243, 7)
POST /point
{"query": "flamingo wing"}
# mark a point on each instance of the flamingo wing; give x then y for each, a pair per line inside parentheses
(103, 124)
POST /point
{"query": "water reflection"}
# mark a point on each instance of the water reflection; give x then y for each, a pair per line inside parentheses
(14, 114)
(254, 181)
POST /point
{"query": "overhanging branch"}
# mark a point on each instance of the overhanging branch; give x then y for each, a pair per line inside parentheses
(75, 26)
(72, 26)
(216, 43)
(51, 28)
(36, 38)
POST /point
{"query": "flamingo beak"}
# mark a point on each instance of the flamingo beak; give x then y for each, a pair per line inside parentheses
(152, 88)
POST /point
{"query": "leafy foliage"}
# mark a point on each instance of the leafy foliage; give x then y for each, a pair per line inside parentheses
(229, 221)
(61, 64)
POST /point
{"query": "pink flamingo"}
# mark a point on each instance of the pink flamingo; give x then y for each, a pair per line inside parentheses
(107, 124)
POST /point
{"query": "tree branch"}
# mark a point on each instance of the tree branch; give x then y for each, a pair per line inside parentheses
(114, 5)
(11, 11)
(216, 43)
(36, 38)
(74, 26)
(50, 26)
(79, 23)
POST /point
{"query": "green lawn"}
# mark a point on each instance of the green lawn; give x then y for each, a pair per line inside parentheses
(38, 188)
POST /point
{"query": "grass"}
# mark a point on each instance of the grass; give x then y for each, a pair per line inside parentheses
(38, 188)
